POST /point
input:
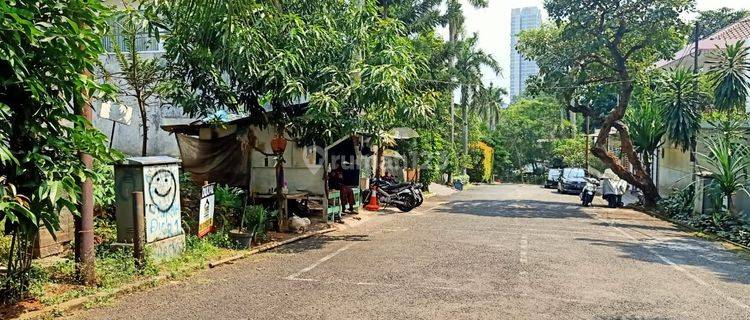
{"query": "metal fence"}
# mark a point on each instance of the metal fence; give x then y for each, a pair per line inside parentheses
(143, 43)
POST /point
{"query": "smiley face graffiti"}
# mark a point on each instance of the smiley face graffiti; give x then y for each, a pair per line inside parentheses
(162, 188)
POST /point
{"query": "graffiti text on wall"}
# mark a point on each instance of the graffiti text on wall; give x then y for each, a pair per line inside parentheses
(162, 193)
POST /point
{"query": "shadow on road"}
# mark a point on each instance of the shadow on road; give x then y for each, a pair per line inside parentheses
(683, 251)
(515, 209)
(636, 226)
(319, 242)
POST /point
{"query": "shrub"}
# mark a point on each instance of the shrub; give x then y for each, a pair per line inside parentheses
(679, 203)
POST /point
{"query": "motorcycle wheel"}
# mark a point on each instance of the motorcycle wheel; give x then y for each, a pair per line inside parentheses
(405, 208)
(408, 205)
(419, 197)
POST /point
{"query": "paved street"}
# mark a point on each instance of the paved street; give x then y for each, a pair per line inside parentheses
(492, 252)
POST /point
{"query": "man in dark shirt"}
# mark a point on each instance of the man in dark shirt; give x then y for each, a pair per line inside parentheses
(336, 181)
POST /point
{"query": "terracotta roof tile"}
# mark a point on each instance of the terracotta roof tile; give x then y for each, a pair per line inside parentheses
(736, 31)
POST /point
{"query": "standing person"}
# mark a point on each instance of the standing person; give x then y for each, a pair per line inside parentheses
(336, 181)
(613, 188)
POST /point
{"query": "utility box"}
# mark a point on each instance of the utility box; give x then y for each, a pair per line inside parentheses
(158, 179)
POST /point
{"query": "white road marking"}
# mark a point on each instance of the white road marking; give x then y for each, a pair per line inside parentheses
(317, 263)
(684, 271)
(523, 275)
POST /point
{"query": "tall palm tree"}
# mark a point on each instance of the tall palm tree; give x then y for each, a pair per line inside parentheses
(468, 69)
(487, 103)
(455, 18)
(729, 70)
(678, 100)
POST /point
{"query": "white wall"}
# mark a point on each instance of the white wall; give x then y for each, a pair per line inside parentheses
(128, 138)
(300, 171)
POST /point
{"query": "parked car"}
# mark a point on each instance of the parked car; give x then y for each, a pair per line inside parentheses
(572, 180)
(552, 176)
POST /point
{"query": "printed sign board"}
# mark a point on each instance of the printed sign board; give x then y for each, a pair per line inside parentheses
(206, 215)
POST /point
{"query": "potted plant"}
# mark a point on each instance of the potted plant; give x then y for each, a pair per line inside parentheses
(252, 227)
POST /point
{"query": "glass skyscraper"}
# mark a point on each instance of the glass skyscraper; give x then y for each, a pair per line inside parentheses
(520, 68)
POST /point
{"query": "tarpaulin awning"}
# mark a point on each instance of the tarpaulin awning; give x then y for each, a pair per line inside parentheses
(223, 160)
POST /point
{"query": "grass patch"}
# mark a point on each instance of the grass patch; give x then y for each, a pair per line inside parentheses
(55, 284)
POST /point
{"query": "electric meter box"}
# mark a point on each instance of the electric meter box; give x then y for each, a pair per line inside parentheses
(159, 180)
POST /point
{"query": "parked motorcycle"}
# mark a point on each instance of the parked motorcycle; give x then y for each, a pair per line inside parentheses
(589, 191)
(399, 195)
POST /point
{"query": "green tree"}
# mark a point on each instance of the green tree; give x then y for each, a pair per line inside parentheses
(727, 159)
(646, 124)
(357, 69)
(526, 131)
(456, 19)
(140, 75)
(469, 63)
(47, 47)
(488, 103)
(606, 43)
(678, 100)
(729, 70)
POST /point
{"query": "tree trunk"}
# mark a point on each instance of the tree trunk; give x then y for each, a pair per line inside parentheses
(465, 129)
(639, 178)
(379, 161)
(452, 38)
(144, 122)
(84, 223)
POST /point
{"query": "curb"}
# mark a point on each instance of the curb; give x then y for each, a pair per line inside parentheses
(701, 233)
(268, 246)
(77, 303)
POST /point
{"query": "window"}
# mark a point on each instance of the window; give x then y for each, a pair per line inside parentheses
(143, 41)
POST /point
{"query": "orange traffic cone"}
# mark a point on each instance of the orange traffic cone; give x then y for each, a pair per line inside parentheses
(373, 205)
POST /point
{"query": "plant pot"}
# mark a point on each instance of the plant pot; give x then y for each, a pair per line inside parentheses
(278, 144)
(243, 239)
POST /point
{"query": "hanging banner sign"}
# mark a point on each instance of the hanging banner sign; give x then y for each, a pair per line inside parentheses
(206, 215)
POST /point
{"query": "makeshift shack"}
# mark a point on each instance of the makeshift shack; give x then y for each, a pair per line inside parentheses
(238, 152)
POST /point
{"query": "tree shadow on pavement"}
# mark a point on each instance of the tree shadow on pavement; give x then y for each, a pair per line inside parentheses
(684, 251)
(637, 226)
(514, 209)
(319, 242)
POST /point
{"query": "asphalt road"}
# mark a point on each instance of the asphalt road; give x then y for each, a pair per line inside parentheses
(493, 252)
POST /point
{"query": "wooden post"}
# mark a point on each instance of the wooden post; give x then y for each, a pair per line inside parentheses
(139, 230)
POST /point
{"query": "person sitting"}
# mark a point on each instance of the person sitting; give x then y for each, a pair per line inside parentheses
(336, 181)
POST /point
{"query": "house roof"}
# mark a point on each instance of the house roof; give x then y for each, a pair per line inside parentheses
(738, 31)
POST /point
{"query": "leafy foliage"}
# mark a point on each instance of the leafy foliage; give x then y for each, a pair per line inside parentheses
(571, 151)
(679, 99)
(711, 21)
(727, 159)
(481, 162)
(729, 71)
(605, 44)
(526, 130)
(646, 124)
(140, 76)
(46, 47)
